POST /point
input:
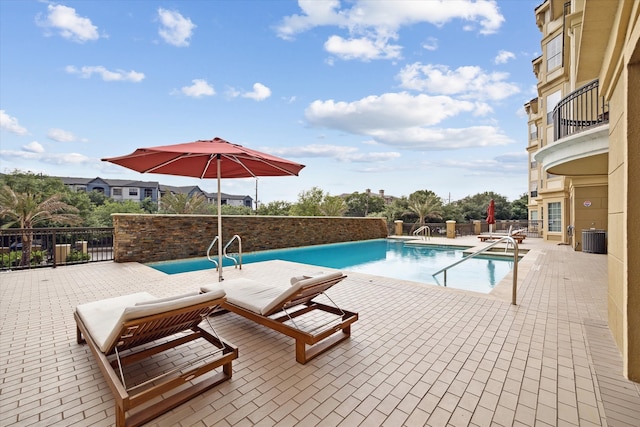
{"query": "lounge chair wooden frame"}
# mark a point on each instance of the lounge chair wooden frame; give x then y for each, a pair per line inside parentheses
(319, 340)
(145, 330)
(495, 236)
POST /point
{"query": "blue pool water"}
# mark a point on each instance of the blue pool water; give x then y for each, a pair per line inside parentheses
(389, 258)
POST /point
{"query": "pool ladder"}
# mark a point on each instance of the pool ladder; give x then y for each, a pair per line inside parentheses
(237, 263)
(424, 229)
(509, 240)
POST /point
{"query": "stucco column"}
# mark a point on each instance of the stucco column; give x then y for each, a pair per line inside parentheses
(476, 226)
(451, 229)
(398, 227)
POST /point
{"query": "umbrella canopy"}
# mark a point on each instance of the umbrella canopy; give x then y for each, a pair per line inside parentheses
(491, 214)
(197, 159)
(214, 158)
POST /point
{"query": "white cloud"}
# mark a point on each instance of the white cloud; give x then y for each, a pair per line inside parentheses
(469, 82)
(315, 13)
(430, 44)
(508, 164)
(362, 48)
(504, 56)
(199, 88)
(68, 23)
(387, 111)
(371, 23)
(11, 124)
(107, 75)
(337, 152)
(33, 147)
(61, 135)
(406, 121)
(50, 158)
(175, 29)
(260, 92)
(391, 14)
(424, 138)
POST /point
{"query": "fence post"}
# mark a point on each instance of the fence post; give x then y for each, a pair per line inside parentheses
(398, 224)
(53, 247)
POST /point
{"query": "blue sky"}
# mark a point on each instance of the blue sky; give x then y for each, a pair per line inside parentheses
(392, 95)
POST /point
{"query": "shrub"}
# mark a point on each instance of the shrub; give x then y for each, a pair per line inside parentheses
(77, 256)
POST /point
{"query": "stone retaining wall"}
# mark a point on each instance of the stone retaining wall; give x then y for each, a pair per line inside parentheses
(147, 238)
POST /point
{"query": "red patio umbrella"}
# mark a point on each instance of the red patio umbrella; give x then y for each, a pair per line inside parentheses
(214, 158)
(491, 215)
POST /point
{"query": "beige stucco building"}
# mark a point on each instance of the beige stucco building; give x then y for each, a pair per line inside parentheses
(584, 146)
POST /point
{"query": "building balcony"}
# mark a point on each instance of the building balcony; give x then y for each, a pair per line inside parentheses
(581, 135)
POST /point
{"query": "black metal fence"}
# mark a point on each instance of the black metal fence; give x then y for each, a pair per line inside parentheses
(581, 110)
(532, 228)
(51, 247)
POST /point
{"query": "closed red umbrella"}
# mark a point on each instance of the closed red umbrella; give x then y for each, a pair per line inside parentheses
(491, 215)
(214, 158)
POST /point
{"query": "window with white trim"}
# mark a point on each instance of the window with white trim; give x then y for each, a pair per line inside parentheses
(554, 217)
(554, 53)
(552, 101)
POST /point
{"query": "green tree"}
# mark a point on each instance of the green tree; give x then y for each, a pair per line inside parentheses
(333, 206)
(475, 207)
(451, 211)
(81, 201)
(98, 198)
(28, 210)
(101, 215)
(425, 204)
(182, 203)
(149, 205)
(275, 208)
(396, 210)
(308, 203)
(520, 207)
(234, 210)
(362, 204)
(30, 183)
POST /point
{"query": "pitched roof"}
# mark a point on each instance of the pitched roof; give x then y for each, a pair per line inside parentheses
(110, 182)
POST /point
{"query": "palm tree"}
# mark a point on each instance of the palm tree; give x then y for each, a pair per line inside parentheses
(182, 203)
(427, 205)
(27, 211)
(333, 206)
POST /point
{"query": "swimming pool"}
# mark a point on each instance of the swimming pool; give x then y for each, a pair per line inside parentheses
(381, 257)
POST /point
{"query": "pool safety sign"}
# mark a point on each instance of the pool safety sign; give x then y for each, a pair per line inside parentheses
(587, 203)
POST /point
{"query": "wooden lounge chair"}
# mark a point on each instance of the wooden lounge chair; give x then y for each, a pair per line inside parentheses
(517, 235)
(284, 308)
(129, 329)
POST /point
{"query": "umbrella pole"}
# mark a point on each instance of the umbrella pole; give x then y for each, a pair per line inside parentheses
(220, 279)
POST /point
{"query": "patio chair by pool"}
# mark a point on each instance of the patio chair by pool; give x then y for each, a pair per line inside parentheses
(132, 329)
(291, 310)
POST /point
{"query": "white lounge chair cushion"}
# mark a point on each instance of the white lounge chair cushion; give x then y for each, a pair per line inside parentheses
(105, 318)
(261, 298)
(295, 279)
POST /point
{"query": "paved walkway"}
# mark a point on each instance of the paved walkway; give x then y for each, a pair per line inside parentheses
(419, 355)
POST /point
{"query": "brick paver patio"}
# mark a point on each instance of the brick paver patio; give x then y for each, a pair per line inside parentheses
(419, 355)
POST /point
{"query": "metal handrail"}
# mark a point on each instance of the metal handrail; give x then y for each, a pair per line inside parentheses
(213, 260)
(224, 251)
(582, 109)
(236, 262)
(423, 228)
(508, 239)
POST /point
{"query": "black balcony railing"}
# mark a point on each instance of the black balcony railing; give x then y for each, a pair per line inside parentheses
(51, 247)
(581, 110)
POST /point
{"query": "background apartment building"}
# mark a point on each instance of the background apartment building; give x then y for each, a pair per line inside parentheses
(584, 145)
